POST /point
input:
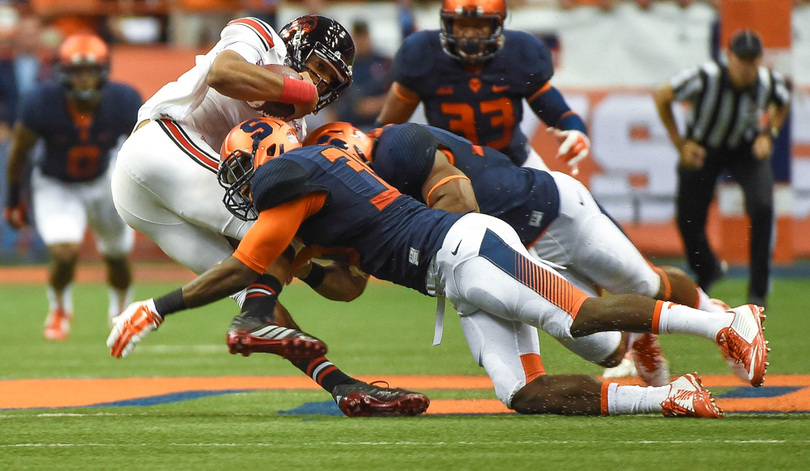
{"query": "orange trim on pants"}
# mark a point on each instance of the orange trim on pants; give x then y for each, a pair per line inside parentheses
(659, 305)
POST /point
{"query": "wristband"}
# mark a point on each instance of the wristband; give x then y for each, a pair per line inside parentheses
(297, 92)
(315, 276)
(169, 303)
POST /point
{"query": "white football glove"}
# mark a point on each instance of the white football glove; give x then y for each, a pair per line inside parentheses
(574, 146)
(132, 325)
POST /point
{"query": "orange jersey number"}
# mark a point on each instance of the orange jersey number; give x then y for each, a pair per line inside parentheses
(501, 115)
(381, 194)
(82, 161)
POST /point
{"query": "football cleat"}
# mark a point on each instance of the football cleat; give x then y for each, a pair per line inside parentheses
(688, 397)
(57, 325)
(650, 363)
(375, 400)
(248, 335)
(744, 345)
(623, 370)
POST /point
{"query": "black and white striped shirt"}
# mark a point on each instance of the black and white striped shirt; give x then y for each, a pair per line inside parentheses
(721, 116)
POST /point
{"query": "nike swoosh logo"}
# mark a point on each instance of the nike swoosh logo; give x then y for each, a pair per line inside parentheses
(455, 251)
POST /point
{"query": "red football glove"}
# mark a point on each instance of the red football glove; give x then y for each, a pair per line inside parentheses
(574, 146)
(17, 216)
(132, 325)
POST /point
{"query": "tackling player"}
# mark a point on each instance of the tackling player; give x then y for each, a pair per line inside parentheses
(81, 119)
(555, 216)
(326, 197)
(165, 186)
(472, 77)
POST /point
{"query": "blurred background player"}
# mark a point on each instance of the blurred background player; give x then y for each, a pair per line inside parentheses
(472, 77)
(371, 79)
(26, 59)
(737, 110)
(81, 120)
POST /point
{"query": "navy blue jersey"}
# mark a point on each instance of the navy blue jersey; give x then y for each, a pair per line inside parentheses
(76, 152)
(526, 198)
(486, 105)
(394, 235)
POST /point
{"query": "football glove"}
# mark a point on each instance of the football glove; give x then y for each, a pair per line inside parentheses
(574, 146)
(132, 325)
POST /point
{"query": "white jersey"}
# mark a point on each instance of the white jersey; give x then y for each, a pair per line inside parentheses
(191, 103)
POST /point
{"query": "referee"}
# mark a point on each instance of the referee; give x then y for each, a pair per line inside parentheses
(737, 109)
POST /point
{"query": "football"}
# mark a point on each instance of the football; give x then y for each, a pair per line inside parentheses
(276, 109)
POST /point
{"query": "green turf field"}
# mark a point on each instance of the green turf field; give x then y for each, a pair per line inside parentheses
(387, 331)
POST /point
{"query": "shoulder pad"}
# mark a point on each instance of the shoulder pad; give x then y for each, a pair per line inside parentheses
(404, 157)
(278, 181)
(415, 58)
(531, 53)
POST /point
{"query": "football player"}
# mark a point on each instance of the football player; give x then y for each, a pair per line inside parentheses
(81, 119)
(164, 184)
(328, 198)
(555, 216)
(472, 77)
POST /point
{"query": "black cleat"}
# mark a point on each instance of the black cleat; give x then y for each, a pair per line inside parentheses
(248, 335)
(374, 400)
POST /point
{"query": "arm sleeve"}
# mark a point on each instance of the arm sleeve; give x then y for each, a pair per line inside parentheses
(274, 230)
(550, 106)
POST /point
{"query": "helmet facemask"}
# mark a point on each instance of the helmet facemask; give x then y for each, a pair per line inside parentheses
(328, 41)
(471, 48)
(234, 174)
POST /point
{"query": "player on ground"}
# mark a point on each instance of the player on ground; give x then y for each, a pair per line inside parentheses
(472, 77)
(555, 216)
(81, 120)
(326, 197)
(164, 184)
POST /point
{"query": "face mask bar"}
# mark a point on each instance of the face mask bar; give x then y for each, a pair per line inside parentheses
(234, 175)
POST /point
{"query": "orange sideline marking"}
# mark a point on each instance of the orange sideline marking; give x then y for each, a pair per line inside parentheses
(54, 393)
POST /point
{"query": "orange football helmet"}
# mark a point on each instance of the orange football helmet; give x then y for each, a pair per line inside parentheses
(472, 47)
(79, 53)
(343, 135)
(249, 145)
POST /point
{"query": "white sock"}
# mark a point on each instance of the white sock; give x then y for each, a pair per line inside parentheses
(680, 319)
(705, 302)
(119, 300)
(635, 399)
(61, 299)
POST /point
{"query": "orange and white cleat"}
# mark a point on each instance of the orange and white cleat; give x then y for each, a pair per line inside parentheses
(57, 325)
(649, 360)
(689, 398)
(744, 345)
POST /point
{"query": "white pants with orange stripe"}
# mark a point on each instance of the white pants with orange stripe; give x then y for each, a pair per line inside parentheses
(591, 247)
(164, 185)
(502, 295)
